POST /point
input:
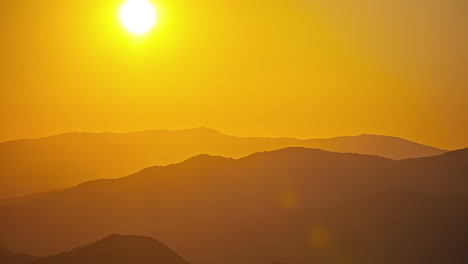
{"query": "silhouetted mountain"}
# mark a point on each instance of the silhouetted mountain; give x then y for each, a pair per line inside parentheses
(391, 227)
(213, 209)
(37, 165)
(118, 249)
(8, 257)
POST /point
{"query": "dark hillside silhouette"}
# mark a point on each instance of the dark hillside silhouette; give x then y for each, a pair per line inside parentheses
(394, 226)
(38, 165)
(212, 208)
(8, 257)
(391, 227)
(118, 249)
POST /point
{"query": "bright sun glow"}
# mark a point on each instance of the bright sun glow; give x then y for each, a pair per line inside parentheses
(137, 16)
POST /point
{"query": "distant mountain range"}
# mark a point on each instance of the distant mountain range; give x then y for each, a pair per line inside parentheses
(37, 165)
(220, 210)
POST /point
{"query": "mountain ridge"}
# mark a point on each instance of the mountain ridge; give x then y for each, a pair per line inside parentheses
(208, 196)
(202, 159)
(207, 130)
(37, 165)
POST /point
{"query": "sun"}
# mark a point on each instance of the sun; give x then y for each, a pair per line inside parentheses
(137, 16)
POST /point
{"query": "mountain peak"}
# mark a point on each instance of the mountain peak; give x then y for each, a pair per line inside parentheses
(118, 249)
(205, 158)
(201, 129)
(119, 238)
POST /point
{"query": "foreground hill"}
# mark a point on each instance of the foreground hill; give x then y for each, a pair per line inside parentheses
(213, 209)
(8, 257)
(387, 228)
(118, 249)
(37, 165)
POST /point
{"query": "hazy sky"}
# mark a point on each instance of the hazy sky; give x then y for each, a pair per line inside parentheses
(300, 68)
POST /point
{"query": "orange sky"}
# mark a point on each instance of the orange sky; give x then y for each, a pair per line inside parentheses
(300, 68)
